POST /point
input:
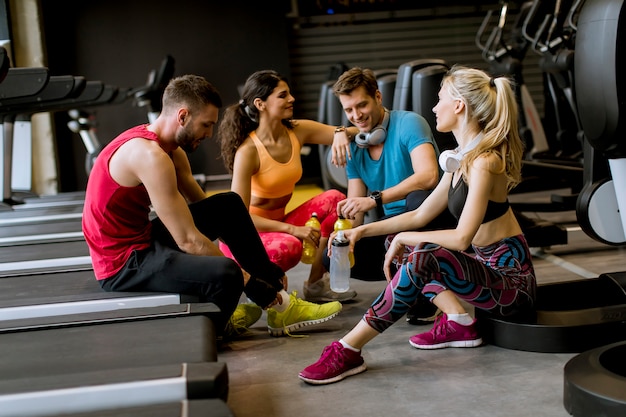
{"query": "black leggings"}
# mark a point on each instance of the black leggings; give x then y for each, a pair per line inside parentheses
(163, 267)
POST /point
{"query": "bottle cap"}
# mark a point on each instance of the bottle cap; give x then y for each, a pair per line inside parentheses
(340, 239)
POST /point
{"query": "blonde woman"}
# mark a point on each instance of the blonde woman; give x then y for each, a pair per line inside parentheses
(499, 277)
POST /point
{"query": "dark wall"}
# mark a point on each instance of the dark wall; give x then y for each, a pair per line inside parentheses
(120, 41)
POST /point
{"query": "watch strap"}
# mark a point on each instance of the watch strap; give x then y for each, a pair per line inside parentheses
(377, 196)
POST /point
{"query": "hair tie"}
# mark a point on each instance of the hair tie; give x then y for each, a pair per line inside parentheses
(492, 82)
(248, 111)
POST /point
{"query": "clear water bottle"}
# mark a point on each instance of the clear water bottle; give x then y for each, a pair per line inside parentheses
(308, 249)
(340, 264)
(343, 224)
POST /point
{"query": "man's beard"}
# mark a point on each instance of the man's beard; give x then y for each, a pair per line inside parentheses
(186, 141)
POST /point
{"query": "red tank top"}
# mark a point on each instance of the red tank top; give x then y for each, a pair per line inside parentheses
(115, 218)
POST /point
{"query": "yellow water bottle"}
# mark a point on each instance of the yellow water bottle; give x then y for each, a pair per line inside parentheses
(308, 249)
(342, 224)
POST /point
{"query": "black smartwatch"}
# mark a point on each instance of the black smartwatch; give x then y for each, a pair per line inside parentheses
(377, 196)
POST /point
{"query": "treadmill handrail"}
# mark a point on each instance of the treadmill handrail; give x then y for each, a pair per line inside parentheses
(23, 82)
(57, 88)
(95, 93)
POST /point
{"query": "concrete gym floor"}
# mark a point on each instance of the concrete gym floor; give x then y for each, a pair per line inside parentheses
(401, 380)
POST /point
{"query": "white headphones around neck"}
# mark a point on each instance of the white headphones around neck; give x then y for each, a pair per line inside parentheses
(376, 136)
(450, 160)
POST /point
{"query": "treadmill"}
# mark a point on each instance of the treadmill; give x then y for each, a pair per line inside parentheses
(123, 358)
(17, 115)
(71, 292)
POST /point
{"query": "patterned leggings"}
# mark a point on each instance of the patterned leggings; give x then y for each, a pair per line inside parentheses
(499, 279)
(285, 250)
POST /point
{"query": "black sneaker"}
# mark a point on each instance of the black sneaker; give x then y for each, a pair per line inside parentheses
(422, 312)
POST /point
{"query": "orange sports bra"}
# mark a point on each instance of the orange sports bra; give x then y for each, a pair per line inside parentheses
(275, 179)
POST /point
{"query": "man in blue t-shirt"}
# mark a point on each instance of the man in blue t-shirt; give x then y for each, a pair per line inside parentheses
(389, 169)
(392, 166)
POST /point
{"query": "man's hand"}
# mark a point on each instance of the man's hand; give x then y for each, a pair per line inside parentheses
(350, 207)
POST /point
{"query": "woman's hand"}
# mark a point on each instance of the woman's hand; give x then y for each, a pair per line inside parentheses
(353, 236)
(309, 234)
(340, 150)
(394, 254)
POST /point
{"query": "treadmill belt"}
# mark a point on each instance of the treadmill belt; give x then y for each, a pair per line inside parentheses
(43, 295)
(52, 226)
(92, 391)
(194, 408)
(45, 288)
(44, 251)
(39, 353)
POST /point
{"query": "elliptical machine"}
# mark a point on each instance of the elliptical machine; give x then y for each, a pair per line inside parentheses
(505, 56)
(504, 48)
(595, 380)
(149, 95)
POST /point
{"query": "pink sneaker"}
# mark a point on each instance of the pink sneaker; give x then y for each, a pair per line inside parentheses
(335, 364)
(447, 334)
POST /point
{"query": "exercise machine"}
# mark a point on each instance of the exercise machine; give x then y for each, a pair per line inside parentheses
(93, 363)
(595, 380)
(549, 30)
(417, 89)
(46, 294)
(588, 315)
(505, 55)
(83, 122)
(17, 128)
(187, 408)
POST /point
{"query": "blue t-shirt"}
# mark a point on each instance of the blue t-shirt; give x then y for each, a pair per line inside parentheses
(406, 131)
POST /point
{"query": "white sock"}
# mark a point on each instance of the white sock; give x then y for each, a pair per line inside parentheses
(282, 306)
(347, 346)
(463, 319)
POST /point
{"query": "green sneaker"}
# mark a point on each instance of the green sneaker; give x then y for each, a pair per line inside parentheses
(299, 314)
(244, 316)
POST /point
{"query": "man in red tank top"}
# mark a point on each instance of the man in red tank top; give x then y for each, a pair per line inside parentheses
(146, 168)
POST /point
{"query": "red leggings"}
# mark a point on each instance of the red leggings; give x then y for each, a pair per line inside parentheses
(284, 249)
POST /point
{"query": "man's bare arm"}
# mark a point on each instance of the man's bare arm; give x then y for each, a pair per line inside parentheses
(156, 170)
(187, 184)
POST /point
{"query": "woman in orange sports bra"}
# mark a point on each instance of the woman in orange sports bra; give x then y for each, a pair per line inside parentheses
(260, 144)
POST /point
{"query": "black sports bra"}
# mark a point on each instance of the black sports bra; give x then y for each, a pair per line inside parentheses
(457, 195)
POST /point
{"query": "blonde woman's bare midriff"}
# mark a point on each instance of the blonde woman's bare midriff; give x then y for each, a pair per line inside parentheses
(497, 229)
